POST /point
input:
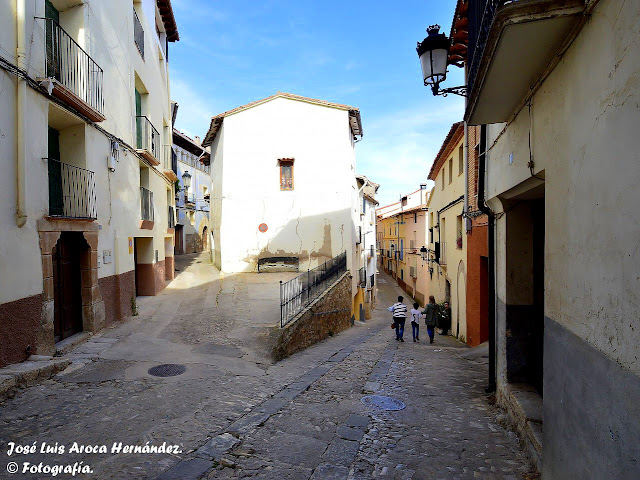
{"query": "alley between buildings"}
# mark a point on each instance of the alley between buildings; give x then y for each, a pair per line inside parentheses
(235, 414)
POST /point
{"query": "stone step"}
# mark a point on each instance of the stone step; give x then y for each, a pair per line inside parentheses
(36, 369)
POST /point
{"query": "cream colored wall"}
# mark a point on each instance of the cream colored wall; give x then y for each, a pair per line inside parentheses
(316, 217)
(584, 137)
(455, 269)
(106, 30)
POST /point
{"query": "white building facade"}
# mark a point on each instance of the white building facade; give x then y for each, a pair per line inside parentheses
(366, 253)
(84, 112)
(283, 182)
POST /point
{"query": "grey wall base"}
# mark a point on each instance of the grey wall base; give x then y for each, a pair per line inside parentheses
(591, 412)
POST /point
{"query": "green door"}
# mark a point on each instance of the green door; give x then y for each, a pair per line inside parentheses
(52, 39)
(138, 119)
(56, 203)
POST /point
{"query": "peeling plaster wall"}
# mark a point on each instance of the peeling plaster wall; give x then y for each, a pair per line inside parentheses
(314, 221)
(584, 136)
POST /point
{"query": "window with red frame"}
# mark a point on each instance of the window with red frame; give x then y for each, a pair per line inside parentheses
(286, 173)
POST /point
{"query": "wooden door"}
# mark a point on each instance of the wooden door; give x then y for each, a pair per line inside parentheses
(67, 285)
(52, 41)
(138, 119)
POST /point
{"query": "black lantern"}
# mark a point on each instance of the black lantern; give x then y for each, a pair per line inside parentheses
(186, 180)
(433, 52)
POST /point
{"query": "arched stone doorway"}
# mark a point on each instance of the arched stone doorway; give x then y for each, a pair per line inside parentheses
(205, 239)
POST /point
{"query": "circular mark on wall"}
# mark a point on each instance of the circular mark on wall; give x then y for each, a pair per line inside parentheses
(382, 403)
(263, 227)
(167, 370)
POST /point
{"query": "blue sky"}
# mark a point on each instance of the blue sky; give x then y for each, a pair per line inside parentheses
(354, 52)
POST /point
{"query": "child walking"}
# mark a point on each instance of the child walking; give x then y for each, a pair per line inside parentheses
(415, 322)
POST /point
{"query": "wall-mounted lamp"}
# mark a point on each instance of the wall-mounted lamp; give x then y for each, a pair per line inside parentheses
(433, 52)
(186, 180)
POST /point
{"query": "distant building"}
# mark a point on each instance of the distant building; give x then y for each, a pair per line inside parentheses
(366, 255)
(283, 183)
(192, 230)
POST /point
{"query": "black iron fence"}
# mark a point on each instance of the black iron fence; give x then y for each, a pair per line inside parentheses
(72, 191)
(148, 137)
(146, 204)
(300, 291)
(72, 67)
(138, 33)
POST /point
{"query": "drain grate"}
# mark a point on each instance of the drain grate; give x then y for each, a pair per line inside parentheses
(382, 403)
(167, 370)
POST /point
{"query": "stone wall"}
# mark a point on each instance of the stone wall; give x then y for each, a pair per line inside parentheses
(328, 314)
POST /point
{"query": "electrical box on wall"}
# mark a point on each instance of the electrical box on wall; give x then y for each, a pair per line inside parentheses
(106, 256)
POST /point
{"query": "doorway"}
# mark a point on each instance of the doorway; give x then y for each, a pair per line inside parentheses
(67, 284)
(205, 238)
(179, 247)
(525, 290)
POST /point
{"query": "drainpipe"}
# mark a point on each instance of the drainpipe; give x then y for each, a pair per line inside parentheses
(21, 155)
(491, 387)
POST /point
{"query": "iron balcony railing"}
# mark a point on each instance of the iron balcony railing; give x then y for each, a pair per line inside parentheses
(146, 204)
(481, 16)
(138, 33)
(299, 292)
(72, 67)
(172, 217)
(148, 137)
(362, 277)
(72, 191)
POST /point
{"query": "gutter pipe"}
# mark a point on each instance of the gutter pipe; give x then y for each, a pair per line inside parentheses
(491, 387)
(21, 154)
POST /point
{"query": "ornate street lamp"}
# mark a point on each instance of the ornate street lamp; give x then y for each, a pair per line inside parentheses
(433, 52)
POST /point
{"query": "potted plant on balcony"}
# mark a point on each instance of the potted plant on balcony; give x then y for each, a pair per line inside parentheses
(459, 240)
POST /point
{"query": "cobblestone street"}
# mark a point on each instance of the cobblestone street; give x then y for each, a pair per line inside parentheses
(235, 414)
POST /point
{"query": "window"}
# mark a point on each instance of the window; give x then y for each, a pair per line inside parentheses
(364, 206)
(460, 161)
(286, 173)
(459, 231)
(442, 188)
(415, 218)
(450, 170)
(138, 34)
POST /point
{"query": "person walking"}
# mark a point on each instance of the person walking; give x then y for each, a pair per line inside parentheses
(415, 321)
(445, 319)
(431, 315)
(399, 310)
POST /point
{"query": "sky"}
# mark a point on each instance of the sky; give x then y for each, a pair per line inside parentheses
(358, 53)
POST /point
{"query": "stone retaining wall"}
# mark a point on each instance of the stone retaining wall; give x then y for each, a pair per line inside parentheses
(330, 313)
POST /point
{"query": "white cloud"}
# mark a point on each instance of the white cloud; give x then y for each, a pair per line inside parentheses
(398, 148)
(195, 110)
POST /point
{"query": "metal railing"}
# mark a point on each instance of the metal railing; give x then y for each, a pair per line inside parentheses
(481, 16)
(146, 204)
(138, 33)
(148, 137)
(72, 191)
(72, 67)
(300, 291)
(172, 217)
(362, 277)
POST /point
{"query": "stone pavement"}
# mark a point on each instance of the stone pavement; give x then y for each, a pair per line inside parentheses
(235, 414)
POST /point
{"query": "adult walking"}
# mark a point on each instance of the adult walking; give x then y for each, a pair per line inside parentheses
(445, 319)
(431, 315)
(399, 311)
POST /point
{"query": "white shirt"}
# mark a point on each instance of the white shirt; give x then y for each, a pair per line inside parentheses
(415, 315)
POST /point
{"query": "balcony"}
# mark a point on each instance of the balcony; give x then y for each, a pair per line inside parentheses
(146, 207)
(138, 34)
(169, 163)
(72, 191)
(147, 140)
(511, 46)
(76, 77)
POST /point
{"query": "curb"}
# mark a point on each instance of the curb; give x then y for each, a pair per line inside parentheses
(26, 374)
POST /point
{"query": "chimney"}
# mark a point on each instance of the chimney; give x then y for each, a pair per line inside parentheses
(198, 141)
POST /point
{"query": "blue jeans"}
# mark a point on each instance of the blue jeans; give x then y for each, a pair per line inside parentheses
(415, 330)
(399, 327)
(430, 331)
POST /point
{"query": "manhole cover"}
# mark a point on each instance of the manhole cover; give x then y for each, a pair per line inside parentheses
(167, 370)
(382, 403)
